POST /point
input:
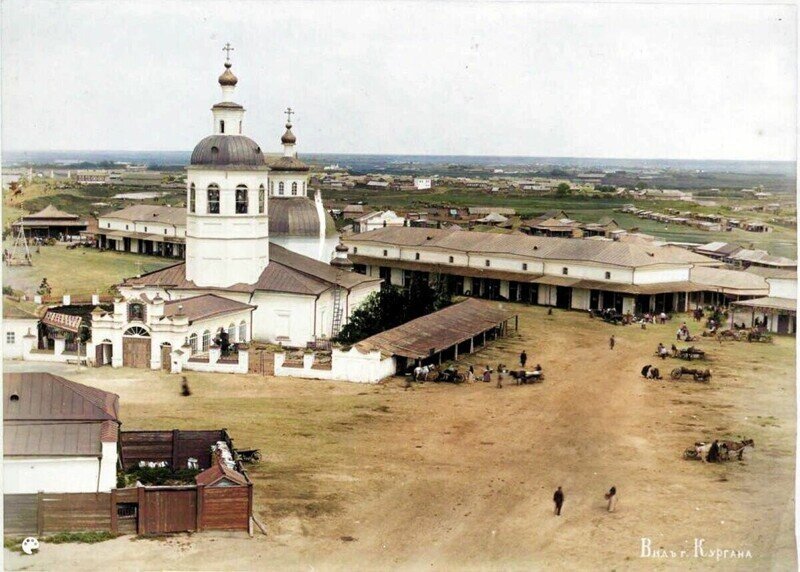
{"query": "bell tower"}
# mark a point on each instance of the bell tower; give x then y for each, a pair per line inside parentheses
(227, 230)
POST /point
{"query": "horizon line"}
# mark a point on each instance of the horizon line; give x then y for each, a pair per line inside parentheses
(415, 155)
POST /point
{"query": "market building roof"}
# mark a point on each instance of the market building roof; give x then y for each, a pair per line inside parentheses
(150, 213)
(440, 330)
(770, 303)
(614, 253)
(733, 282)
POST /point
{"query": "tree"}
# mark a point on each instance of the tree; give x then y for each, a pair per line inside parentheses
(391, 307)
(562, 189)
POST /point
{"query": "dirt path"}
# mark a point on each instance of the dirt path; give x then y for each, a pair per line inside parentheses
(444, 477)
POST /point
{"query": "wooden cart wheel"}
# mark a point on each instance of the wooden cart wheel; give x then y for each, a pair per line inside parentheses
(676, 373)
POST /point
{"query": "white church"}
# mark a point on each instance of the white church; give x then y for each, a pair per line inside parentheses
(237, 277)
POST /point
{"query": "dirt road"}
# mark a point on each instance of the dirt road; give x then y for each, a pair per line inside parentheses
(444, 477)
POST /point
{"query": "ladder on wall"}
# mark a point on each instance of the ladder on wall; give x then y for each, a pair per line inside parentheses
(337, 311)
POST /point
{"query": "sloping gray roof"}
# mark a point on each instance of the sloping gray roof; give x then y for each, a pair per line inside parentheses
(150, 213)
(48, 415)
(221, 150)
(47, 397)
(440, 330)
(629, 255)
(204, 306)
(297, 216)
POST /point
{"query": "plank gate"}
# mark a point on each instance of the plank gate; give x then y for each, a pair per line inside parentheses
(139, 510)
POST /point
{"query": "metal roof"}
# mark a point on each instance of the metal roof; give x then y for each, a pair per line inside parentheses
(770, 303)
(222, 150)
(44, 414)
(297, 216)
(287, 271)
(204, 306)
(440, 330)
(615, 253)
(150, 213)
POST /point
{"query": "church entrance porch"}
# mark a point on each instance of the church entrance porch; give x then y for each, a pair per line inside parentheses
(136, 348)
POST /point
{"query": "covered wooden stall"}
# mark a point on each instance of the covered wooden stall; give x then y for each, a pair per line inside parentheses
(445, 334)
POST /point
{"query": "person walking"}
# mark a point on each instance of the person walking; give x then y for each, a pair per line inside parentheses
(611, 342)
(558, 499)
(500, 376)
(523, 359)
(611, 497)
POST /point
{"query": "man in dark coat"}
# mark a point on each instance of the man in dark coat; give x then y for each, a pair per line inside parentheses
(713, 452)
(523, 359)
(645, 369)
(558, 499)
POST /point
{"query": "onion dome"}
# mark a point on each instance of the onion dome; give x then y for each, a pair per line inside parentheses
(341, 248)
(288, 137)
(227, 78)
(297, 216)
(227, 150)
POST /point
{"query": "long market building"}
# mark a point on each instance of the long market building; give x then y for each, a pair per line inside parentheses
(566, 273)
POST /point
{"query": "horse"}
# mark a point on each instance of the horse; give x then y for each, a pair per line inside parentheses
(737, 448)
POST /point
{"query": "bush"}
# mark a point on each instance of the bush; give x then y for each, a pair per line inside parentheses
(391, 307)
(161, 476)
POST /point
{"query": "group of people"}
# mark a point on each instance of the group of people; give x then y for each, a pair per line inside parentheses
(683, 333)
(610, 496)
(654, 318)
(650, 372)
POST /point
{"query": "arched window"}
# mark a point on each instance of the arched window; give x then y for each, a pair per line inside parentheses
(241, 199)
(294, 188)
(232, 333)
(280, 188)
(261, 199)
(192, 197)
(213, 198)
(221, 126)
(193, 343)
(206, 340)
(136, 332)
(243, 331)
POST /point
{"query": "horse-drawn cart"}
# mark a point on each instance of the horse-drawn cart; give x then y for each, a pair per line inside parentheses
(691, 353)
(249, 455)
(759, 336)
(698, 374)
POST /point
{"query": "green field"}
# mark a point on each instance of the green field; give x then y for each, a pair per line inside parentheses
(589, 208)
(79, 272)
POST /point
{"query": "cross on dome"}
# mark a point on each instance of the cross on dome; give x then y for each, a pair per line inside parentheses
(228, 49)
(289, 112)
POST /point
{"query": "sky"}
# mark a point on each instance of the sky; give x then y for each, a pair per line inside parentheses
(674, 81)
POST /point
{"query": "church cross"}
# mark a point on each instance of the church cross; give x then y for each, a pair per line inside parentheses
(228, 49)
(289, 114)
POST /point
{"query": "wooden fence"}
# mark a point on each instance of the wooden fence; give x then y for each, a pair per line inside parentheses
(139, 510)
(175, 447)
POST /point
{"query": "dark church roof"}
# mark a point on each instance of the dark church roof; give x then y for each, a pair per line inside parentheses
(224, 150)
(297, 216)
(287, 272)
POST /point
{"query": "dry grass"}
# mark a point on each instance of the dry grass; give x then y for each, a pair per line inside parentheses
(447, 477)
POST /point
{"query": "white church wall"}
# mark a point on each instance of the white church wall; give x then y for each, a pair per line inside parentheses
(284, 318)
(346, 365)
(318, 248)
